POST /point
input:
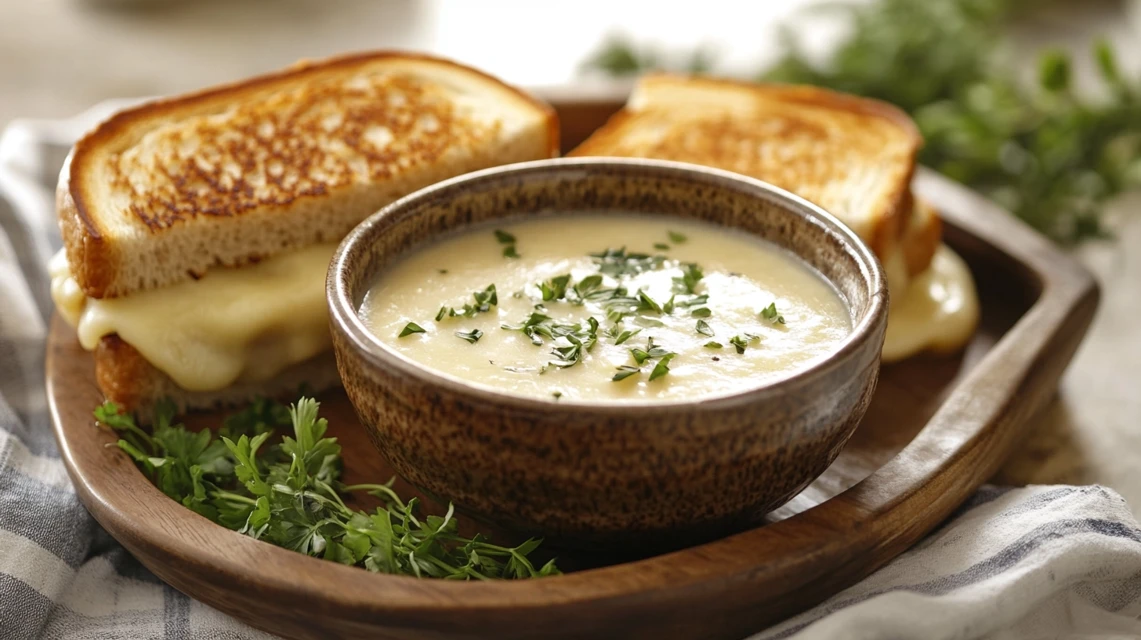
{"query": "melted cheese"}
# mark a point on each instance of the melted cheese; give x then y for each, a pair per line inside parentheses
(742, 276)
(233, 325)
(938, 310)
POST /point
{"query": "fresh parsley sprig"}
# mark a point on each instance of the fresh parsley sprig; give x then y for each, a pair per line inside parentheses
(1052, 159)
(289, 494)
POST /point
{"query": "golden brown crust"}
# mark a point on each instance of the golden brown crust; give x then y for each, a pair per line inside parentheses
(121, 372)
(186, 185)
(164, 106)
(722, 133)
(88, 255)
(922, 237)
(809, 95)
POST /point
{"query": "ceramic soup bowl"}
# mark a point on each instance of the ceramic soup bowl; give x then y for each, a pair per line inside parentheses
(597, 475)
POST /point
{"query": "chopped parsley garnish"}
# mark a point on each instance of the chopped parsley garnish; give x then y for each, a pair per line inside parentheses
(539, 326)
(557, 394)
(625, 371)
(555, 288)
(442, 271)
(535, 327)
(626, 335)
(410, 328)
(588, 285)
(662, 367)
(695, 301)
(691, 274)
(741, 342)
(570, 340)
(770, 313)
(646, 303)
(617, 263)
(652, 350)
(472, 336)
(580, 340)
(484, 300)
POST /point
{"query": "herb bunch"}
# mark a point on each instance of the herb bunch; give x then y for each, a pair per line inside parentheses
(289, 494)
(1052, 159)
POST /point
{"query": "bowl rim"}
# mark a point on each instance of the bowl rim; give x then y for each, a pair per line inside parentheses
(345, 318)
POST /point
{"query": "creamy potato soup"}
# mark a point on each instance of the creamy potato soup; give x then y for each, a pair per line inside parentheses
(605, 308)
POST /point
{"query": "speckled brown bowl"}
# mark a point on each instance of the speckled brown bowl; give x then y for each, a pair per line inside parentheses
(607, 474)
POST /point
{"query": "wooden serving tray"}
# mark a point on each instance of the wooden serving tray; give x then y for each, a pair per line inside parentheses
(938, 427)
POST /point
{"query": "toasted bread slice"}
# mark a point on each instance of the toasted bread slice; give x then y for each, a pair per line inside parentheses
(162, 192)
(852, 156)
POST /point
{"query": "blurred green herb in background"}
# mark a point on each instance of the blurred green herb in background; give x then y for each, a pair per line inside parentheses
(1040, 151)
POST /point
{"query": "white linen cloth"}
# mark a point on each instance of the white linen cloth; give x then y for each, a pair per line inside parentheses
(1038, 562)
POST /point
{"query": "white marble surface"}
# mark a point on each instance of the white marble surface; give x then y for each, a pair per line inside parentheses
(58, 57)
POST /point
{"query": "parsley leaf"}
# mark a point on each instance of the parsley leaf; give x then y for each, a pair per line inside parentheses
(704, 329)
(662, 367)
(691, 274)
(625, 371)
(770, 313)
(409, 329)
(741, 342)
(555, 288)
(646, 303)
(503, 237)
(472, 336)
(626, 335)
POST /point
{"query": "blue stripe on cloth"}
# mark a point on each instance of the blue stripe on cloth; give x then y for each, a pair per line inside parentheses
(23, 610)
(51, 517)
(989, 567)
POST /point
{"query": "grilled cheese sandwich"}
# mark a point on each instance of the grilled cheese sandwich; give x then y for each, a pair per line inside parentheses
(198, 230)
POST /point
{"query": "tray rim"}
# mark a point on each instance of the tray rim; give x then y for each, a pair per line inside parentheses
(932, 475)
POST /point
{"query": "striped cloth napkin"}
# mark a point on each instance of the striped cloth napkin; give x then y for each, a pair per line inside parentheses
(1037, 562)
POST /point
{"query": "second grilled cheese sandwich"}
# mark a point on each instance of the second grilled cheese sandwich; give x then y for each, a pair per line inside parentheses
(852, 156)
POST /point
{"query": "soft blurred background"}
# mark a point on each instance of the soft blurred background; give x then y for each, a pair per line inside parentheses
(1035, 103)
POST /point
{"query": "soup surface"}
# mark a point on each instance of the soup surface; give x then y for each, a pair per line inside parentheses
(606, 308)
